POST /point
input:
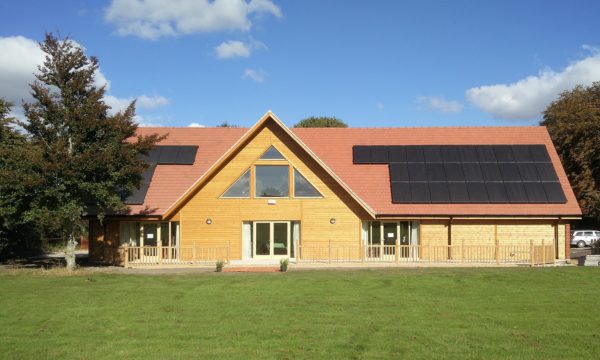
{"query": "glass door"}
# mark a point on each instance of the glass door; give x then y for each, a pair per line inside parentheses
(271, 239)
(149, 241)
(390, 235)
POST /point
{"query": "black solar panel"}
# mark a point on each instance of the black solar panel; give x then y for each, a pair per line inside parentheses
(398, 172)
(379, 155)
(419, 192)
(401, 192)
(168, 154)
(466, 173)
(361, 154)
(137, 196)
(416, 172)
(439, 192)
(458, 192)
(477, 192)
(435, 172)
(187, 155)
(397, 154)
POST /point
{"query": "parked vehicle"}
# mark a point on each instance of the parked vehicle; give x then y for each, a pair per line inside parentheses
(583, 238)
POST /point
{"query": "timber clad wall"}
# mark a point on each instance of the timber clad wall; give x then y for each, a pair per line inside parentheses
(227, 215)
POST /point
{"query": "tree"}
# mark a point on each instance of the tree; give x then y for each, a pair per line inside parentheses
(573, 121)
(90, 158)
(226, 124)
(18, 176)
(321, 122)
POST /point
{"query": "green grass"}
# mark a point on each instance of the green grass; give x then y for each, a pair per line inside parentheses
(393, 313)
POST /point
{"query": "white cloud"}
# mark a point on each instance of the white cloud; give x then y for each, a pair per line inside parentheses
(257, 75)
(19, 59)
(152, 19)
(197, 125)
(231, 49)
(528, 97)
(438, 103)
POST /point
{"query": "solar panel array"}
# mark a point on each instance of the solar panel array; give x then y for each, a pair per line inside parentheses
(466, 173)
(161, 155)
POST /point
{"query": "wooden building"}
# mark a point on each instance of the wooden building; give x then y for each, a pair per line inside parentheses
(347, 194)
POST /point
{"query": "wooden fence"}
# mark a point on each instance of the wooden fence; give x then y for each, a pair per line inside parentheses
(331, 252)
(173, 255)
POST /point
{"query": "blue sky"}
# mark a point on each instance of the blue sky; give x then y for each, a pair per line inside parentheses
(370, 63)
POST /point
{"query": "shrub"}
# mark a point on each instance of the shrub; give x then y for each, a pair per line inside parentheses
(220, 264)
(283, 265)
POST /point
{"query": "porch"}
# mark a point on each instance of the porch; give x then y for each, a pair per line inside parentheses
(331, 252)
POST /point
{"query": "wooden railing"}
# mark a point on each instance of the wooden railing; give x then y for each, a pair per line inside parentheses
(332, 252)
(183, 254)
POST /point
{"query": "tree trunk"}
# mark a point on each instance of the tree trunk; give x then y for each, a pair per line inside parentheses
(70, 253)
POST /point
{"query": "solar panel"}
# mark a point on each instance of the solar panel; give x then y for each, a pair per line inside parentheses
(491, 172)
(535, 192)
(397, 153)
(187, 155)
(521, 153)
(546, 172)
(379, 155)
(539, 153)
(458, 192)
(398, 172)
(361, 154)
(450, 154)
(401, 192)
(503, 153)
(419, 192)
(485, 154)
(466, 173)
(435, 172)
(416, 172)
(439, 192)
(414, 154)
(554, 192)
(137, 196)
(472, 172)
(496, 192)
(510, 172)
(477, 192)
(528, 172)
(454, 172)
(515, 192)
(468, 153)
(432, 154)
(168, 154)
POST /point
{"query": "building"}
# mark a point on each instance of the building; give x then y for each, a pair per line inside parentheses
(347, 194)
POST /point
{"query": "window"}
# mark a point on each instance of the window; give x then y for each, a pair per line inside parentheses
(303, 188)
(240, 188)
(272, 154)
(272, 181)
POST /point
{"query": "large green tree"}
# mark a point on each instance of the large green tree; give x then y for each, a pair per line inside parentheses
(19, 176)
(321, 122)
(90, 158)
(573, 121)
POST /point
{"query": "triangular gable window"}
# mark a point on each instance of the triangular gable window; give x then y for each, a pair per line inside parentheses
(240, 188)
(272, 154)
(303, 188)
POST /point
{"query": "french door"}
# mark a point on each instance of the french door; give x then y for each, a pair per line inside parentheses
(271, 239)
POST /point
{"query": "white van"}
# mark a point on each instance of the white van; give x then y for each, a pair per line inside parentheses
(583, 238)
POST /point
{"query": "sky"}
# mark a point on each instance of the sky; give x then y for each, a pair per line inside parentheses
(370, 63)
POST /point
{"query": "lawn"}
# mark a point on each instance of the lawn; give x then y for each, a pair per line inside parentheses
(392, 313)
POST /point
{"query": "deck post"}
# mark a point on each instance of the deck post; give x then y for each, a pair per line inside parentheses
(497, 252)
(126, 260)
(194, 251)
(429, 251)
(159, 251)
(543, 253)
(396, 248)
(531, 252)
(462, 251)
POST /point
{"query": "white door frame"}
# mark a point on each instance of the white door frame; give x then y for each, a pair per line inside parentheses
(271, 239)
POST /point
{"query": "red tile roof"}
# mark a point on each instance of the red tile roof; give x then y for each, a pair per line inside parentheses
(370, 182)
